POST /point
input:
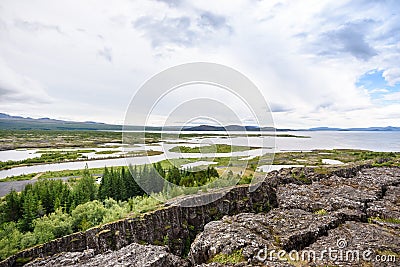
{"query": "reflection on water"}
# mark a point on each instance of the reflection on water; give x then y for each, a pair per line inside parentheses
(19, 154)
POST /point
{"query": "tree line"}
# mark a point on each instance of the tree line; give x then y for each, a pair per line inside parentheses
(51, 208)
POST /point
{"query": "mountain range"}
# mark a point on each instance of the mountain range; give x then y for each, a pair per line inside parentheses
(25, 123)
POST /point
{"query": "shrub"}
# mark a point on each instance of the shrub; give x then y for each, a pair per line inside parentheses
(87, 215)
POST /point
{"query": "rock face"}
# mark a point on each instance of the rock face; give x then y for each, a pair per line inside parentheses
(250, 233)
(374, 244)
(132, 255)
(337, 192)
(295, 212)
(356, 218)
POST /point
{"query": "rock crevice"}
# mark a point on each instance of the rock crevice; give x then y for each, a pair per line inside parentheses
(360, 209)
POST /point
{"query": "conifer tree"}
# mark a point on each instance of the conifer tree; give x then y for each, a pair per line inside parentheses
(12, 209)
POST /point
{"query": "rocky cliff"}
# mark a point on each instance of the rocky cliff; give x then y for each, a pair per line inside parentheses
(350, 210)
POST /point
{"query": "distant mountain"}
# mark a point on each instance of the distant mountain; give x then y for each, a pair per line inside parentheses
(204, 128)
(228, 128)
(255, 128)
(388, 128)
(26, 123)
(21, 123)
(324, 129)
(367, 129)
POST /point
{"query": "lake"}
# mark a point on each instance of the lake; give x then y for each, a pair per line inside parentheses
(375, 141)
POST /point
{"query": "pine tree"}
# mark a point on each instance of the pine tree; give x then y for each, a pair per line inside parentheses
(129, 182)
(174, 175)
(155, 179)
(123, 177)
(12, 207)
(31, 209)
(86, 189)
(104, 188)
(136, 188)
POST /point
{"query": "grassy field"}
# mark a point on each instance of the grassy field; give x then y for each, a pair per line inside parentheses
(314, 158)
(52, 157)
(41, 151)
(107, 152)
(13, 139)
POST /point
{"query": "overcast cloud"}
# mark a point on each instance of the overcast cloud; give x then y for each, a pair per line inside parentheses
(84, 60)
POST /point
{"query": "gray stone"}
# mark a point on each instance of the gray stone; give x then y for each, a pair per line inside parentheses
(132, 255)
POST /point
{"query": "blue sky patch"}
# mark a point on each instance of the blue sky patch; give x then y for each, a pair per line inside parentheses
(379, 90)
(373, 80)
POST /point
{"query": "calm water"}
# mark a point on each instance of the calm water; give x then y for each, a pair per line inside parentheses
(375, 141)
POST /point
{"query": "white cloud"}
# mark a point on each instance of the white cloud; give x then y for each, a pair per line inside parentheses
(305, 57)
(392, 76)
(378, 90)
(392, 97)
(15, 87)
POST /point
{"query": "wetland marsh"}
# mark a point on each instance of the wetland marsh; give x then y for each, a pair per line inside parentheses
(60, 152)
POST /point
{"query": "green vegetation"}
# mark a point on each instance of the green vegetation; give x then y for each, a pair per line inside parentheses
(49, 209)
(19, 177)
(233, 134)
(142, 153)
(314, 158)
(235, 257)
(54, 174)
(14, 139)
(60, 223)
(190, 178)
(105, 152)
(301, 177)
(321, 212)
(78, 173)
(56, 156)
(389, 253)
(385, 220)
(64, 151)
(218, 148)
(51, 157)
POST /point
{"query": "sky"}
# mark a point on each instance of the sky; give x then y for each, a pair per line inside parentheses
(317, 63)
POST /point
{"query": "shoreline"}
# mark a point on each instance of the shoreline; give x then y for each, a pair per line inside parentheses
(316, 159)
(301, 157)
